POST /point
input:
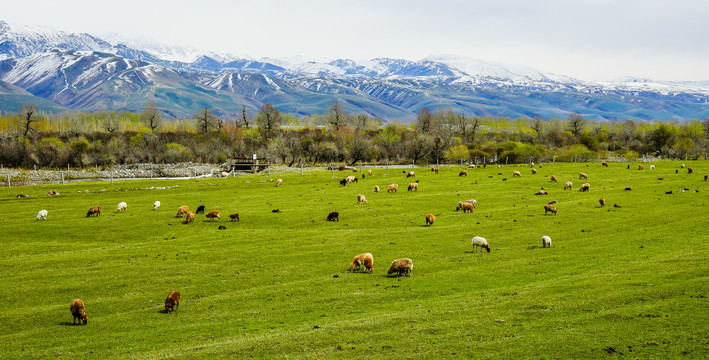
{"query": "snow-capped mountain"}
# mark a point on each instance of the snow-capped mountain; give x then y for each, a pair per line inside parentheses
(81, 71)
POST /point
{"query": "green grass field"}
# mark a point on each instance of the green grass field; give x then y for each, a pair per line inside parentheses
(628, 282)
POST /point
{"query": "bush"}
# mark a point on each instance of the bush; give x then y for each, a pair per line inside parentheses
(575, 153)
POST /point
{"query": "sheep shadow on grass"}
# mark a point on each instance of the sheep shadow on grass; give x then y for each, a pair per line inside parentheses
(69, 323)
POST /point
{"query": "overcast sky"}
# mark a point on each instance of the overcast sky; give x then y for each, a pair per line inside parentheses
(586, 39)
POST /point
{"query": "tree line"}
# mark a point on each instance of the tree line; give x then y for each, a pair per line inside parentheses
(31, 138)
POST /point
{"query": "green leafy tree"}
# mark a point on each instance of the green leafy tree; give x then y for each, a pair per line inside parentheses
(151, 116)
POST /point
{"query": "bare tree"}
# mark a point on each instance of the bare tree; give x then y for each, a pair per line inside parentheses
(536, 124)
(245, 117)
(360, 148)
(269, 118)
(151, 116)
(361, 120)
(75, 125)
(424, 120)
(27, 116)
(337, 115)
(206, 120)
(111, 123)
(575, 123)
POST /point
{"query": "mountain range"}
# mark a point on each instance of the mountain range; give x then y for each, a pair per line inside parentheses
(66, 71)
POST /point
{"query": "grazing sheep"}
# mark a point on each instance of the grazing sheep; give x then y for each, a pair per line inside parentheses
(541, 192)
(479, 242)
(401, 267)
(279, 182)
(343, 182)
(553, 178)
(355, 170)
(234, 217)
(602, 201)
(94, 211)
(652, 167)
(213, 214)
(414, 186)
(568, 185)
(189, 217)
(553, 202)
(200, 210)
(463, 173)
(172, 302)
(42, 215)
(276, 211)
(516, 173)
(585, 187)
(122, 206)
(471, 166)
(690, 170)
(156, 205)
(182, 210)
(430, 219)
(221, 227)
(333, 216)
(78, 311)
(435, 169)
(604, 164)
(369, 172)
(640, 167)
(392, 188)
(583, 176)
(467, 207)
(472, 201)
(411, 174)
(549, 208)
(342, 167)
(376, 189)
(682, 166)
(546, 241)
(534, 171)
(706, 177)
(531, 164)
(351, 178)
(366, 260)
(361, 199)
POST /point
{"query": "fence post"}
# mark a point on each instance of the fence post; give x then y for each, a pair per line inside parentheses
(195, 172)
(111, 176)
(8, 182)
(484, 161)
(332, 171)
(506, 156)
(301, 167)
(387, 164)
(62, 177)
(461, 161)
(436, 165)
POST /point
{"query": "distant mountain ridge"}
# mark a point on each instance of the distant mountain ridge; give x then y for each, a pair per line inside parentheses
(85, 72)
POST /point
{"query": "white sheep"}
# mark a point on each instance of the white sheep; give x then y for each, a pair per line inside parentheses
(42, 215)
(122, 206)
(652, 167)
(156, 205)
(480, 242)
(546, 241)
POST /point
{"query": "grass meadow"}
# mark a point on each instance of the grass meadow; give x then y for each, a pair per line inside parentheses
(626, 282)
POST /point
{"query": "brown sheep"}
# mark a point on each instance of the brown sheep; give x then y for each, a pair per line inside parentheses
(604, 164)
(189, 217)
(430, 219)
(541, 192)
(376, 189)
(369, 172)
(392, 188)
(333, 216)
(534, 171)
(279, 182)
(213, 214)
(414, 186)
(602, 201)
(78, 311)
(568, 185)
(182, 211)
(366, 260)
(361, 199)
(463, 173)
(516, 173)
(401, 267)
(585, 187)
(549, 208)
(94, 211)
(553, 202)
(411, 174)
(234, 217)
(553, 178)
(172, 302)
(583, 176)
(640, 167)
(467, 207)
(355, 170)
(342, 167)
(690, 170)
(435, 169)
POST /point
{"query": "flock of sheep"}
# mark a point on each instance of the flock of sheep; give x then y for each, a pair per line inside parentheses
(365, 262)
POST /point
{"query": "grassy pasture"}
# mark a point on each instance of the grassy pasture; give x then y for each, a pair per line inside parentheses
(628, 282)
